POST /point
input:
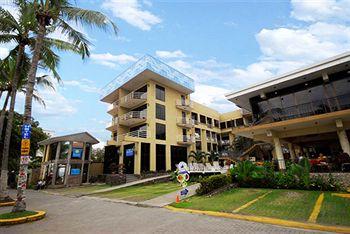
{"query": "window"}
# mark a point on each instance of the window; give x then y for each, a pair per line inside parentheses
(208, 147)
(209, 120)
(230, 124)
(160, 131)
(202, 119)
(198, 146)
(194, 117)
(65, 145)
(52, 151)
(160, 111)
(160, 93)
(239, 122)
(216, 123)
(223, 125)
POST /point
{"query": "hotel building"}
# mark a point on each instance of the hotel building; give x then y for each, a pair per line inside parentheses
(306, 111)
(155, 124)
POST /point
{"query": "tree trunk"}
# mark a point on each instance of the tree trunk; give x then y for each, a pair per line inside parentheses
(22, 175)
(3, 113)
(5, 153)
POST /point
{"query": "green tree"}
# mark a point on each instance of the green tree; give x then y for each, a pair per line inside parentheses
(198, 156)
(97, 155)
(212, 156)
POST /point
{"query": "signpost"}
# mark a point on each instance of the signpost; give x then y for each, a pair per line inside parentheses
(23, 167)
(182, 177)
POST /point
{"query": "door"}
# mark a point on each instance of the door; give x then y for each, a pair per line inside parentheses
(183, 100)
(129, 155)
(184, 135)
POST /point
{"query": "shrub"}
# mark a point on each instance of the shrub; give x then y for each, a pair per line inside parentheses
(209, 184)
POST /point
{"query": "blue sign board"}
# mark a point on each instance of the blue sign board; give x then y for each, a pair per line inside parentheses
(77, 152)
(184, 192)
(26, 130)
(75, 171)
(129, 152)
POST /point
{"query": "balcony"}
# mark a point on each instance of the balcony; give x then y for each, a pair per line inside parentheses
(113, 125)
(113, 108)
(185, 140)
(303, 110)
(133, 99)
(209, 125)
(132, 118)
(185, 122)
(184, 105)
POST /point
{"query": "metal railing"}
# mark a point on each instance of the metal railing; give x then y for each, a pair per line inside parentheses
(184, 103)
(185, 121)
(143, 133)
(186, 139)
(112, 123)
(133, 115)
(133, 95)
(113, 105)
(317, 107)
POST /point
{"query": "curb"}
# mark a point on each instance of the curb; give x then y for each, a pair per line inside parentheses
(27, 219)
(260, 219)
(7, 204)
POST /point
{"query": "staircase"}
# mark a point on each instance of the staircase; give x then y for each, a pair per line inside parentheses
(131, 178)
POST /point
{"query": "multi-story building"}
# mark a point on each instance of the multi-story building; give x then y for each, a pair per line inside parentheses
(155, 124)
(307, 111)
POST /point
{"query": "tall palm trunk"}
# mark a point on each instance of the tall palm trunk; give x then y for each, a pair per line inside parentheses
(3, 113)
(5, 154)
(20, 204)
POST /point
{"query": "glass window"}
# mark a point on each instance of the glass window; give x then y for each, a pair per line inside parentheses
(160, 131)
(216, 123)
(239, 122)
(230, 124)
(198, 146)
(209, 120)
(223, 125)
(64, 150)
(202, 119)
(160, 93)
(194, 116)
(160, 111)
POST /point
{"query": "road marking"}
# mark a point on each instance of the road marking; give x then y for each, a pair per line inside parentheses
(250, 203)
(317, 209)
(281, 222)
(344, 195)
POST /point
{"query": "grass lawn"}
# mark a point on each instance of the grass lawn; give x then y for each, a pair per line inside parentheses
(335, 210)
(225, 202)
(285, 204)
(11, 215)
(139, 193)
(78, 190)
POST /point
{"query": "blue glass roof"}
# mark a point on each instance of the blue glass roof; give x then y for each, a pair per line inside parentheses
(154, 65)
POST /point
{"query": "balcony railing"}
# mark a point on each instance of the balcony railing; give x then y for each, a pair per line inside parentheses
(184, 105)
(132, 117)
(185, 122)
(113, 108)
(112, 124)
(306, 109)
(133, 99)
(185, 140)
(138, 133)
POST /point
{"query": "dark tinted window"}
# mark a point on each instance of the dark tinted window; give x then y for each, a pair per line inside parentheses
(216, 123)
(202, 119)
(160, 93)
(160, 111)
(223, 125)
(160, 131)
(239, 122)
(230, 124)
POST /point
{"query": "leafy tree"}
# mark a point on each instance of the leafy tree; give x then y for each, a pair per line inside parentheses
(212, 156)
(97, 155)
(198, 156)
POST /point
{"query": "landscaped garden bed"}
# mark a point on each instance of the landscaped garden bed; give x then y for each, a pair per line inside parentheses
(12, 218)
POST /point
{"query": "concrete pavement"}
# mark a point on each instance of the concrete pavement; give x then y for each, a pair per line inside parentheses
(84, 215)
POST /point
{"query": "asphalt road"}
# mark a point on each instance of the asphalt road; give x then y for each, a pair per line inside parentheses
(85, 215)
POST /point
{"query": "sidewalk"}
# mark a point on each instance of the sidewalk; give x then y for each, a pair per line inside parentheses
(126, 185)
(169, 198)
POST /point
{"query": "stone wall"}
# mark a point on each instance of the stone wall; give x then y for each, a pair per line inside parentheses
(343, 178)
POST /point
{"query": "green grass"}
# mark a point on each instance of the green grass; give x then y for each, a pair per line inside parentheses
(139, 193)
(11, 215)
(285, 204)
(79, 190)
(335, 210)
(225, 202)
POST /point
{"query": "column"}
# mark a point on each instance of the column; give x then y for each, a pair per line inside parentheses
(344, 141)
(152, 157)
(291, 151)
(168, 157)
(279, 153)
(68, 163)
(89, 164)
(137, 159)
(55, 164)
(82, 164)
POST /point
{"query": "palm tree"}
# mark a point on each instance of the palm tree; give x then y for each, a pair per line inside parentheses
(198, 156)
(212, 156)
(56, 14)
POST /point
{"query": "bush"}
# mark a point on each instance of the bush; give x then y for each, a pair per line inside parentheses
(296, 176)
(209, 184)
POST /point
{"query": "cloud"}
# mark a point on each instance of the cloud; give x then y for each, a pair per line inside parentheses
(321, 10)
(131, 11)
(111, 60)
(4, 52)
(170, 54)
(85, 85)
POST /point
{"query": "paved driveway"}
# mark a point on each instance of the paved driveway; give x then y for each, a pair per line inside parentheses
(86, 215)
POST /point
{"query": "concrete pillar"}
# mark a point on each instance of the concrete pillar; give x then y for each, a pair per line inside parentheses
(137, 159)
(152, 157)
(58, 149)
(279, 153)
(88, 172)
(82, 164)
(121, 154)
(344, 141)
(291, 151)
(168, 157)
(68, 163)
